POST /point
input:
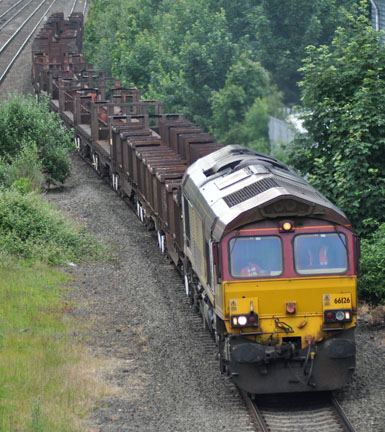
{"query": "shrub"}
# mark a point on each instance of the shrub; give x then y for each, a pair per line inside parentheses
(31, 228)
(371, 285)
(25, 123)
(22, 168)
(23, 186)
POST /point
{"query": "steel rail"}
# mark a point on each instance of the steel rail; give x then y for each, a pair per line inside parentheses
(84, 7)
(9, 9)
(342, 414)
(21, 26)
(3, 75)
(254, 412)
(16, 14)
(73, 6)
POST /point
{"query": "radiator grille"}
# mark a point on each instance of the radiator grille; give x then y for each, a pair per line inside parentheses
(249, 191)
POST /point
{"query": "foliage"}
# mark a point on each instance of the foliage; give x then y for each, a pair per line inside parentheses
(282, 30)
(29, 129)
(31, 228)
(44, 376)
(371, 285)
(343, 92)
(24, 170)
(246, 80)
(202, 57)
(111, 32)
(177, 52)
(194, 54)
(254, 129)
(242, 107)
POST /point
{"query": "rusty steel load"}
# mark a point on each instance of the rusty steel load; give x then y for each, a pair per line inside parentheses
(268, 262)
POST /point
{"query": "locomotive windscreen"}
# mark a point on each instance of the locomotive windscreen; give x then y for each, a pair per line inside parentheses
(255, 255)
(320, 254)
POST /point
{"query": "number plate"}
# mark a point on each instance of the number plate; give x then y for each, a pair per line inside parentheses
(337, 301)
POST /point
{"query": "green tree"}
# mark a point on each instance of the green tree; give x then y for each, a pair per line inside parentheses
(197, 51)
(246, 80)
(253, 130)
(282, 30)
(111, 30)
(343, 92)
(178, 52)
(238, 15)
(151, 43)
(241, 109)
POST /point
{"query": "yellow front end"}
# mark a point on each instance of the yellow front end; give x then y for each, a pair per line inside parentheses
(292, 345)
(290, 307)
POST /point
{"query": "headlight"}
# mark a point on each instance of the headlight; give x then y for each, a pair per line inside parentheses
(248, 320)
(340, 316)
(242, 320)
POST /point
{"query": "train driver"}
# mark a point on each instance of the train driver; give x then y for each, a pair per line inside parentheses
(252, 269)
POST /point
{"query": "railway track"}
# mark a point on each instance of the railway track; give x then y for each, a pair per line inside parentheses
(6, 17)
(18, 23)
(298, 413)
(79, 6)
(12, 47)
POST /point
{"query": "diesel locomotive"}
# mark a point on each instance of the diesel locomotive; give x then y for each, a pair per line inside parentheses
(269, 262)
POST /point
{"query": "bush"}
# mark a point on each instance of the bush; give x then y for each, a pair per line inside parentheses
(371, 285)
(32, 229)
(27, 126)
(24, 168)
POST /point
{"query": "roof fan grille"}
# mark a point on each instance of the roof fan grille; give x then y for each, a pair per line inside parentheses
(249, 191)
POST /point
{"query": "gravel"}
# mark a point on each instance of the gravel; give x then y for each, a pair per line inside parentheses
(162, 363)
(364, 399)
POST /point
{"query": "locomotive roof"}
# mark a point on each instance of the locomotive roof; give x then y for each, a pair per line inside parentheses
(235, 186)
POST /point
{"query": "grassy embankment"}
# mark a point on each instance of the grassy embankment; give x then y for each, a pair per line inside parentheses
(46, 381)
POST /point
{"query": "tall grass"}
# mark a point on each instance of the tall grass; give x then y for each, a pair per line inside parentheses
(43, 381)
